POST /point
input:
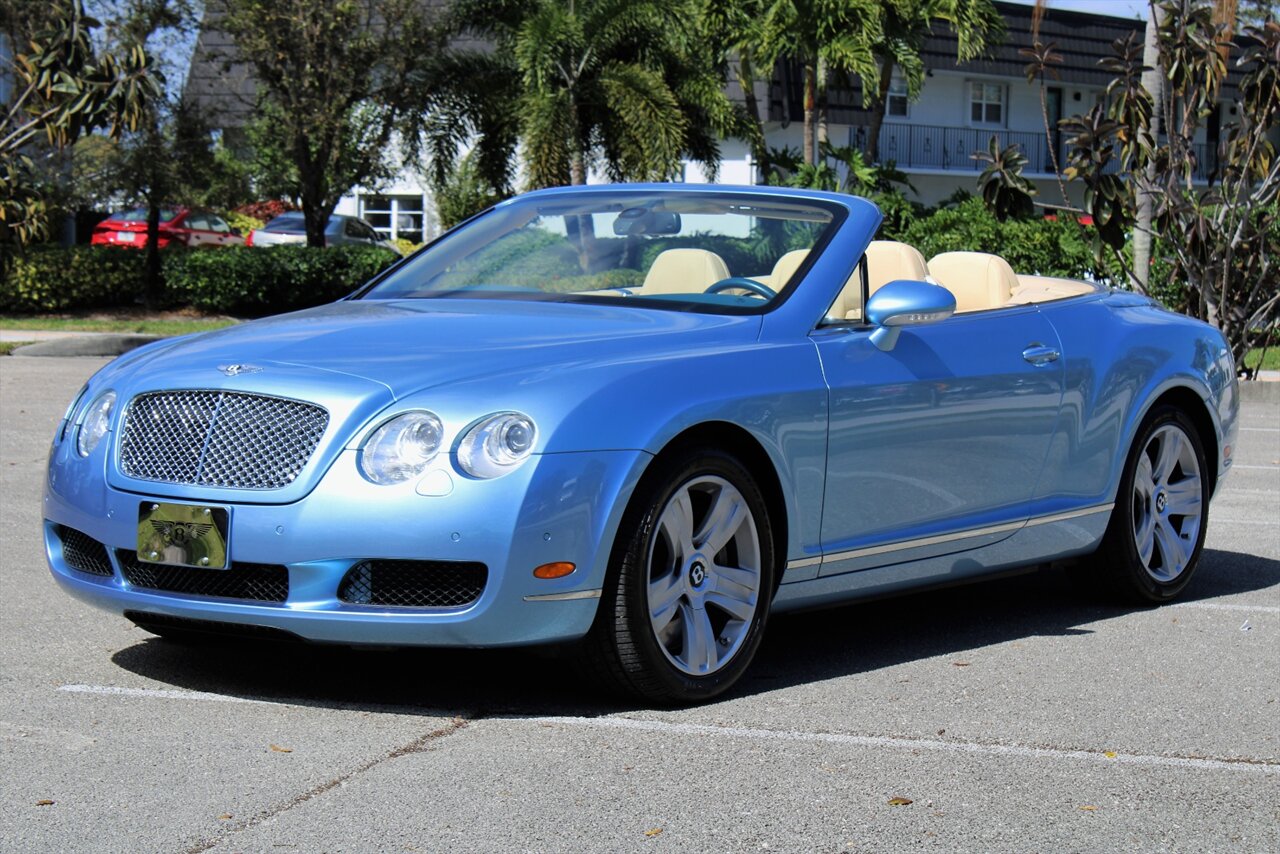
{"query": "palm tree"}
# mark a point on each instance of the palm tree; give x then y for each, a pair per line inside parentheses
(904, 27)
(819, 35)
(628, 84)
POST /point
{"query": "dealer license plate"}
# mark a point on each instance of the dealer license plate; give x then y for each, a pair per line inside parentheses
(183, 534)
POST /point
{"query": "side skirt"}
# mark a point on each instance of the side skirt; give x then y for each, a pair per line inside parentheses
(1042, 539)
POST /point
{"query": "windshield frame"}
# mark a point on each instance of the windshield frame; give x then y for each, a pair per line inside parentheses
(839, 214)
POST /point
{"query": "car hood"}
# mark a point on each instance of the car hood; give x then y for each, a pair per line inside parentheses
(410, 345)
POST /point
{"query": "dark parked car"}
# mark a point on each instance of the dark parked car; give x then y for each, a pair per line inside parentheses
(178, 226)
(341, 231)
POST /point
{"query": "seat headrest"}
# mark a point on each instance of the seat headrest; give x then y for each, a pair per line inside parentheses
(684, 271)
(786, 267)
(979, 281)
(888, 261)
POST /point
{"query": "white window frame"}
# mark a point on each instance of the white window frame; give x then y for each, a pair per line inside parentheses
(393, 233)
(970, 101)
(897, 90)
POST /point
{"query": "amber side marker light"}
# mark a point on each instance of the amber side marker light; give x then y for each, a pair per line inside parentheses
(554, 570)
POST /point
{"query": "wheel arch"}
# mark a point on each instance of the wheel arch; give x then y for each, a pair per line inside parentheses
(1190, 402)
(738, 441)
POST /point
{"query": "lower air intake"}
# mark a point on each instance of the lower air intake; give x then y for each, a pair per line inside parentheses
(259, 582)
(82, 552)
(414, 583)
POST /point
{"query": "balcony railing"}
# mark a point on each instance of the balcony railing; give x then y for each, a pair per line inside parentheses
(951, 148)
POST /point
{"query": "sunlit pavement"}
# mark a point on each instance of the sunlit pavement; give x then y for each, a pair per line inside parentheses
(1014, 715)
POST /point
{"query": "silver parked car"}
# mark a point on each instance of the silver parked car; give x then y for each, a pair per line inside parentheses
(341, 231)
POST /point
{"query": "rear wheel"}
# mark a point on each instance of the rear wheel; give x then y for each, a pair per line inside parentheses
(687, 596)
(1153, 543)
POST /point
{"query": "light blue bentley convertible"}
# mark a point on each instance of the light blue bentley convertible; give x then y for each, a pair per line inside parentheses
(641, 418)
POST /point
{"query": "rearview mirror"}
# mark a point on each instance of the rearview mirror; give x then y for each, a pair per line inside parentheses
(634, 222)
(905, 302)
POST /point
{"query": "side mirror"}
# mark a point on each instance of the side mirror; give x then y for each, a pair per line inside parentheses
(906, 303)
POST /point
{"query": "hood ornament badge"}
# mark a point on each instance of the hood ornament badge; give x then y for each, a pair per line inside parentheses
(237, 370)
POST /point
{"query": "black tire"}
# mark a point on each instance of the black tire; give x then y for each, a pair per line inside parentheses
(1118, 567)
(623, 649)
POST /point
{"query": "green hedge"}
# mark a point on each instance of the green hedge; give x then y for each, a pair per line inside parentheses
(54, 278)
(235, 280)
(1034, 246)
(244, 281)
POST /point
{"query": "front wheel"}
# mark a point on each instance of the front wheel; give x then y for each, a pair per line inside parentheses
(688, 591)
(1157, 530)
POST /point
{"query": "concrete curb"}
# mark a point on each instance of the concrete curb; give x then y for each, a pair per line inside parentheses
(1260, 391)
(108, 344)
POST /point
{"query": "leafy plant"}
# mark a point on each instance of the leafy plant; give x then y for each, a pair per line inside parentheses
(1005, 191)
(62, 89)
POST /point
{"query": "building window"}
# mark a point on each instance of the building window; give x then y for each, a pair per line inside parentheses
(896, 102)
(986, 103)
(394, 216)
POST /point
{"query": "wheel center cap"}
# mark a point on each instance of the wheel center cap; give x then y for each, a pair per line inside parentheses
(1161, 501)
(697, 574)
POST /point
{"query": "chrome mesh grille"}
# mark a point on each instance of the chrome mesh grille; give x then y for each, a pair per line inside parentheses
(219, 438)
(414, 583)
(262, 582)
(83, 552)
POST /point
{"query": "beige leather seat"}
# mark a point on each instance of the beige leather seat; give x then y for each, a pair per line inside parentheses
(786, 268)
(684, 271)
(978, 280)
(887, 261)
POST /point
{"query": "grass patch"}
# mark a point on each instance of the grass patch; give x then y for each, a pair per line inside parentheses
(1255, 361)
(162, 323)
(7, 347)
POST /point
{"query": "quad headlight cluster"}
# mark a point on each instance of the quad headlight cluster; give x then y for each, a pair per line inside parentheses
(402, 447)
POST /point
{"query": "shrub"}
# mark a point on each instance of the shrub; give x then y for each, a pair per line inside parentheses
(56, 278)
(253, 282)
(243, 223)
(266, 211)
(1037, 246)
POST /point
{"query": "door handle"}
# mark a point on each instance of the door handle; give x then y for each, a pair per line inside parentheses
(1038, 354)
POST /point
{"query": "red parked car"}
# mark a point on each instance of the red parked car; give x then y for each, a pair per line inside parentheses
(178, 226)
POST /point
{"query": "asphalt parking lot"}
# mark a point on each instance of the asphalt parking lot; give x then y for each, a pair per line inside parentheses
(1014, 715)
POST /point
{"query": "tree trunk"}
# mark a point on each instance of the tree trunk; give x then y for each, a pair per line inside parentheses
(1152, 82)
(822, 106)
(878, 108)
(810, 111)
(747, 80)
(151, 289)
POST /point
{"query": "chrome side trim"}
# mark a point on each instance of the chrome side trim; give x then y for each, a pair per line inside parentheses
(803, 562)
(960, 535)
(565, 597)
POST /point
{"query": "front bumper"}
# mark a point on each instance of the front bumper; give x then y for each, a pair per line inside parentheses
(557, 507)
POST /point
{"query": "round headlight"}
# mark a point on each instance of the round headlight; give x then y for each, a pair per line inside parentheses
(497, 445)
(401, 448)
(95, 422)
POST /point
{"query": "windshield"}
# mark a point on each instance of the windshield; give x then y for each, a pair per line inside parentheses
(711, 251)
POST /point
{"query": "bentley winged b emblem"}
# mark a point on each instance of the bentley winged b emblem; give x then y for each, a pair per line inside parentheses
(179, 533)
(237, 370)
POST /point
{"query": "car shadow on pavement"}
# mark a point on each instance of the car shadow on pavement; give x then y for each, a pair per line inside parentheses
(798, 649)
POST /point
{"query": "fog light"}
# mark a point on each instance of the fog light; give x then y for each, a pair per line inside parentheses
(554, 570)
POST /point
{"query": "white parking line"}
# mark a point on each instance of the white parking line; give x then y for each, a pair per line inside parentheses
(1228, 606)
(1219, 520)
(893, 742)
(1260, 429)
(1257, 468)
(905, 743)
